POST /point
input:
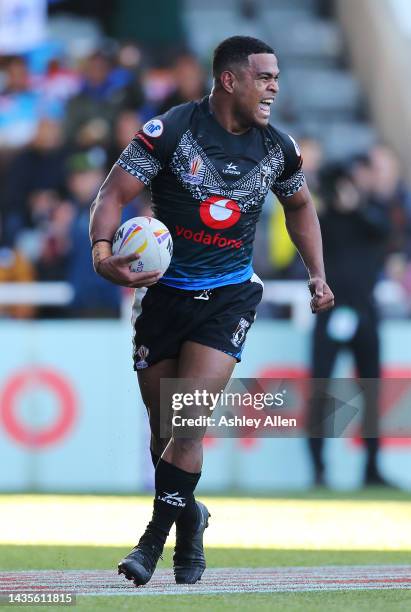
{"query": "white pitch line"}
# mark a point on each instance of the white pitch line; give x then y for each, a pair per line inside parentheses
(215, 581)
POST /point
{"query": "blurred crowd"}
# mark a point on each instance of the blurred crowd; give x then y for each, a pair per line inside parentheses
(64, 122)
(60, 133)
(364, 207)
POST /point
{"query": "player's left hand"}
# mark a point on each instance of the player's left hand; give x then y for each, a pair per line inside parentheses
(322, 296)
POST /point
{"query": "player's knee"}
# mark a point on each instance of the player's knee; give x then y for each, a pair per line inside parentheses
(187, 446)
(158, 444)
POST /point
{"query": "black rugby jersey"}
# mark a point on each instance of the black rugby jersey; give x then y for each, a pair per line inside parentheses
(208, 187)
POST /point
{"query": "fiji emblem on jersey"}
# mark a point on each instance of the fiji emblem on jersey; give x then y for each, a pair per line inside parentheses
(265, 177)
(142, 353)
(239, 335)
(193, 176)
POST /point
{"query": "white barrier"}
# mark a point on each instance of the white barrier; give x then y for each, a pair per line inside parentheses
(36, 294)
(391, 297)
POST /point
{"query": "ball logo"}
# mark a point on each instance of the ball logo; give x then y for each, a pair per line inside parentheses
(153, 128)
(219, 213)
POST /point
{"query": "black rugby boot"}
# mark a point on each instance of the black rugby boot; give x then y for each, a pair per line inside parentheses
(140, 563)
(189, 560)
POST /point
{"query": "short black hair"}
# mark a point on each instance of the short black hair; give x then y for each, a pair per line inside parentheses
(235, 50)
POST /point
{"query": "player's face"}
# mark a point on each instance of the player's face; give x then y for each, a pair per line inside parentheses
(255, 89)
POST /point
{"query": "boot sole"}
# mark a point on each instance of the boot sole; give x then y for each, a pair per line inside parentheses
(139, 576)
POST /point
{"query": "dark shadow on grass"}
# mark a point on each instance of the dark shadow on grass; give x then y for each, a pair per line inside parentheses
(107, 557)
(316, 493)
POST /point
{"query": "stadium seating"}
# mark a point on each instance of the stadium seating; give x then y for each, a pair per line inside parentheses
(318, 95)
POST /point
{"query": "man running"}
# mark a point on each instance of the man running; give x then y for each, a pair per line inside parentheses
(210, 165)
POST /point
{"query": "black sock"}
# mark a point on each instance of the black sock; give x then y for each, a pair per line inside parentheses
(188, 517)
(173, 487)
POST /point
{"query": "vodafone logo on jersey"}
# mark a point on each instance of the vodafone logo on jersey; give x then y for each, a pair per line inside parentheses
(219, 213)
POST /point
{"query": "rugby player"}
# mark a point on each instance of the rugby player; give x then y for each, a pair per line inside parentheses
(210, 165)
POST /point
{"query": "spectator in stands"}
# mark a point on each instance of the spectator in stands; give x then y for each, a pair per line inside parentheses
(19, 105)
(104, 92)
(128, 122)
(53, 257)
(93, 296)
(282, 255)
(189, 82)
(389, 188)
(60, 82)
(40, 207)
(313, 156)
(14, 267)
(355, 227)
(42, 166)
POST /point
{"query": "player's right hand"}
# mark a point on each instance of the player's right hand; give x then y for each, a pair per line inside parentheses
(116, 269)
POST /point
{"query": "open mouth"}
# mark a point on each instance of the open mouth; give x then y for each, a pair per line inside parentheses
(265, 106)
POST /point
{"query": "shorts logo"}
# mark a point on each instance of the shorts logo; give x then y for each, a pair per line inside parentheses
(142, 353)
(238, 336)
(219, 213)
(193, 176)
(153, 128)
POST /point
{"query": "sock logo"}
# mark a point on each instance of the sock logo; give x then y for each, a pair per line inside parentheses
(173, 499)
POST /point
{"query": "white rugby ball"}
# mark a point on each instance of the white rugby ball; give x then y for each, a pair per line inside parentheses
(149, 238)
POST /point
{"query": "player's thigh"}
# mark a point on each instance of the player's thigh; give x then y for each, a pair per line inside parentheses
(150, 388)
(202, 368)
(203, 362)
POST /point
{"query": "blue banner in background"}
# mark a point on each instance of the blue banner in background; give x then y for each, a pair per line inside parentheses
(71, 416)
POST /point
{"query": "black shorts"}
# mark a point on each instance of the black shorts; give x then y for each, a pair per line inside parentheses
(218, 318)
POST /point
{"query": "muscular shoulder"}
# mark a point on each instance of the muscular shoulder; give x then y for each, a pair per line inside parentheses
(153, 145)
(289, 147)
(181, 114)
(170, 124)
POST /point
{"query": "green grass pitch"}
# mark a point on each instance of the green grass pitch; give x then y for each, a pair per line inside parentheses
(391, 510)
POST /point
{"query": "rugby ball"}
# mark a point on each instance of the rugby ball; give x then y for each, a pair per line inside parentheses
(147, 237)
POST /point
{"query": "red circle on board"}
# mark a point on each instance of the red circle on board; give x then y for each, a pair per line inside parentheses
(219, 213)
(22, 382)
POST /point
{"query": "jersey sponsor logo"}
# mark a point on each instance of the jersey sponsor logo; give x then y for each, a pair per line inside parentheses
(238, 336)
(204, 237)
(231, 169)
(153, 128)
(219, 213)
(195, 167)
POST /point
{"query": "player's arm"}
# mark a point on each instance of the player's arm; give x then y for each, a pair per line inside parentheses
(118, 189)
(304, 230)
